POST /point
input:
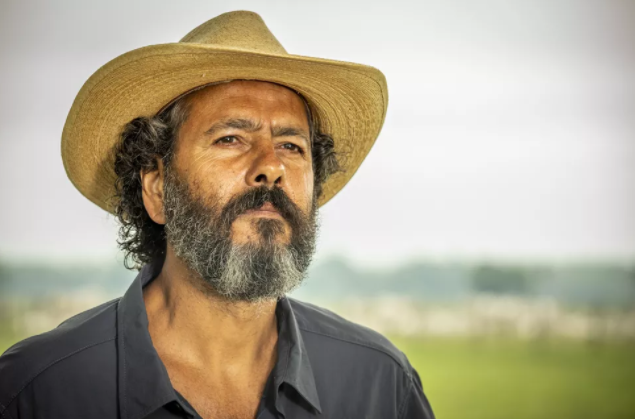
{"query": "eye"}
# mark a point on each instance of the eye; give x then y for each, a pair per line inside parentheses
(230, 139)
(293, 147)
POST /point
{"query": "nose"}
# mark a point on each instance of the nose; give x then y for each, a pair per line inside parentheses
(266, 169)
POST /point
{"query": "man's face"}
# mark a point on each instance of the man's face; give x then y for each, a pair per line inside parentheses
(244, 134)
(238, 201)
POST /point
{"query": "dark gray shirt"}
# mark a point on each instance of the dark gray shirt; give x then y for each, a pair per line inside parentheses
(102, 364)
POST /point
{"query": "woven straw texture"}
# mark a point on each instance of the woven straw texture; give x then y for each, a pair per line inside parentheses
(349, 99)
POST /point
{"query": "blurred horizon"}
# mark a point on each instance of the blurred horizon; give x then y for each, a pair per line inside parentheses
(117, 259)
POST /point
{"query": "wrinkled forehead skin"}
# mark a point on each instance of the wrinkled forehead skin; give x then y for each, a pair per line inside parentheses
(248, 99)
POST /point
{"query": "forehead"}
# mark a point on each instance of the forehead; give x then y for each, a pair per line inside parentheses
(257, 99)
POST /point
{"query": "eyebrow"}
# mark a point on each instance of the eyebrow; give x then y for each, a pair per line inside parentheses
(250, 125)
(290, 132)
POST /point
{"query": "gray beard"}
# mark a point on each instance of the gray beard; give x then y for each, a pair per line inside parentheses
(200, 235)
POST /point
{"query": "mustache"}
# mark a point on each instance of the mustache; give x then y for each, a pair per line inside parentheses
(255, 198)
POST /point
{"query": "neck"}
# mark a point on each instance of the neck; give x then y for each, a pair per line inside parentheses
(189, 324)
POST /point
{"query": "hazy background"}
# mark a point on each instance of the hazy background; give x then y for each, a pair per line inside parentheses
(509, 131)
(490, 232)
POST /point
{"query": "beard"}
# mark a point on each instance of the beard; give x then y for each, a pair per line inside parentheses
(200, 235)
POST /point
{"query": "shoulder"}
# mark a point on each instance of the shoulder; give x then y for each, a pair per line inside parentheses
(65, 350)
(358, 372)
(317, 323)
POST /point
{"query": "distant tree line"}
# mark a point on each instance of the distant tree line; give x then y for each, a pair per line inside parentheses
(580, 284)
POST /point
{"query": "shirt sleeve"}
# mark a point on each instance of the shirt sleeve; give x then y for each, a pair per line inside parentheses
(415, 404)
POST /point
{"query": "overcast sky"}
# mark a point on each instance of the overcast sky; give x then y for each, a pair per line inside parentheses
(510, 131)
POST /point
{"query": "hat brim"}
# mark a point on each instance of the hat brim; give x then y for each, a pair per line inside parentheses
(350, 101)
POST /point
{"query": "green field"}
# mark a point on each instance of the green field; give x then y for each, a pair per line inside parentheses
(498, 378)
(7, 336)
(503, 378)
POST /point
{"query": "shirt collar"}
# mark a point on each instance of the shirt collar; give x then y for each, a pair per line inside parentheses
(293, 366)
(144, 383)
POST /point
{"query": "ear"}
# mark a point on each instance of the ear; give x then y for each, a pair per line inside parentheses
(152, 192)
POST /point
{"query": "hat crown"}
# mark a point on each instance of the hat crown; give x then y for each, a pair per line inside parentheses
(241, 29)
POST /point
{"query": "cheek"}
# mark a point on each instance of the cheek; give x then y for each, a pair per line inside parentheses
(305, 198)
(213, 178)
(310, 184)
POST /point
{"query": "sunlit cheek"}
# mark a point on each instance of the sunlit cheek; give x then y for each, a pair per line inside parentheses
(217, 182)
(308, 190)
(300, 186)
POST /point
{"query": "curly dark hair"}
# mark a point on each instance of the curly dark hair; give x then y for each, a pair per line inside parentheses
(143, 140)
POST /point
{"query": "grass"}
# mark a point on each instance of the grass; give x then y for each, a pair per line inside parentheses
(499, 378)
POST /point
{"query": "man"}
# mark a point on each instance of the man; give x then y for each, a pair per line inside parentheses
(214, 154)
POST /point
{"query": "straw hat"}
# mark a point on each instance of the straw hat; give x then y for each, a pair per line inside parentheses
(350, 100)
